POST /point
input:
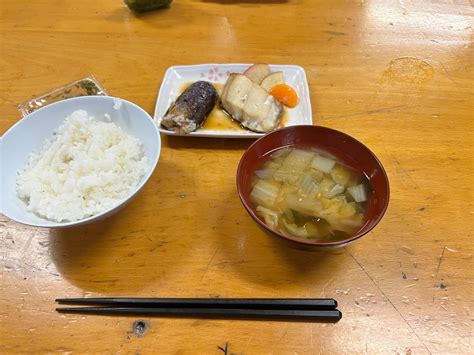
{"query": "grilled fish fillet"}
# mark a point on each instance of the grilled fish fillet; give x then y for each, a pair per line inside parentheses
(250, 104)
(234, 95)
(191, 108)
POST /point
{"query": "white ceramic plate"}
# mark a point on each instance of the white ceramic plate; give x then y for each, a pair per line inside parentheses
(176, 77)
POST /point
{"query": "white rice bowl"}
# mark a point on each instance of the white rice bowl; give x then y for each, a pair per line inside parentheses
(61, 179)
(87, 167)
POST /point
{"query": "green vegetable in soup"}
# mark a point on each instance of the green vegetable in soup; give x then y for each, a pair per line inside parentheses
(323, 164)
(308, 195)
(265, 193)
(358, 193)
(270, 217)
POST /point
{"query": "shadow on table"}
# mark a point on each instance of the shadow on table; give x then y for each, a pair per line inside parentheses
(122, 12)
(177, 142)
(239, 2)
(158, 18)
(270, 261)
(123, 253)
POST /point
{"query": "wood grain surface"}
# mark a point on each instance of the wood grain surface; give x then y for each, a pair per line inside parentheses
(396, 75)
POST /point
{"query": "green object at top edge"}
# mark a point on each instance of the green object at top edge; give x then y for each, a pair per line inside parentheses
(146, 5)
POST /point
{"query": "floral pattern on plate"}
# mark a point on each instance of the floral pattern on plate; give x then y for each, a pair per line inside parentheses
(214, 74)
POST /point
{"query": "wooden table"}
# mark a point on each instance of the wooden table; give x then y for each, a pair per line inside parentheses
(397, 76)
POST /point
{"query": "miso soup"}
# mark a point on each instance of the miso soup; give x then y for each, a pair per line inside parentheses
(308, 194)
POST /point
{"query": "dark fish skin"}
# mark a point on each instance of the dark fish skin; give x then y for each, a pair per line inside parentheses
(191, 108)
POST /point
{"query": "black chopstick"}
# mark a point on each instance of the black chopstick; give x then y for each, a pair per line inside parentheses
(242, 303)
(277, 314)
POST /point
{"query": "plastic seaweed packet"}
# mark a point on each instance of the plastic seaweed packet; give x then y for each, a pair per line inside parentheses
(87, 86)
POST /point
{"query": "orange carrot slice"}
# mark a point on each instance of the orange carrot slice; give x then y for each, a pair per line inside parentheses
(285, 94)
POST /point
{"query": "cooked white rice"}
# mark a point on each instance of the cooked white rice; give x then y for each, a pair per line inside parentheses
(87, 167)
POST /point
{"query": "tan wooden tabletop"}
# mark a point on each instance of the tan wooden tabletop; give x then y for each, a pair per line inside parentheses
(396, 75)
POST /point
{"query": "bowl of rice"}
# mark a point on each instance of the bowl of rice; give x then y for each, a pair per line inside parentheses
(76, 161)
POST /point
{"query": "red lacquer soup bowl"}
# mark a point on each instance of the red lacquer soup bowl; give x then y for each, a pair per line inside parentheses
(345, 148)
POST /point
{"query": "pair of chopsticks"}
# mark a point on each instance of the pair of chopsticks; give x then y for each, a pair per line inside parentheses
(301, 309)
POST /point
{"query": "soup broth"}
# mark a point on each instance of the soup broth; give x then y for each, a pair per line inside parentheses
(310, 195)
